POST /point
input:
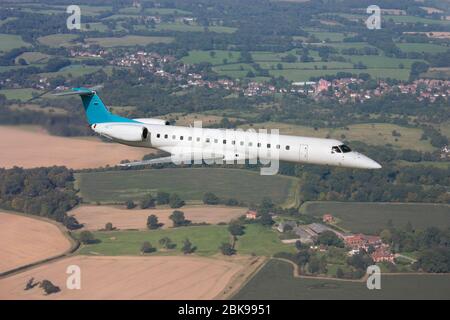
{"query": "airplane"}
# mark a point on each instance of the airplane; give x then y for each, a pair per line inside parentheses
(183, 143)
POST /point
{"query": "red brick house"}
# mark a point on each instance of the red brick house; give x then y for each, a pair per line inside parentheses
(251, 214)
(382, 255)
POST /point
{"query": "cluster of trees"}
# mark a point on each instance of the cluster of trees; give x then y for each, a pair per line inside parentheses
(211, 199)
(46, 192)
(432, 245)
(161, 198)
(390, 184)
(167, 244)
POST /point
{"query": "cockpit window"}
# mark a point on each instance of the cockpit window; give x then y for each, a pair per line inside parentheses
(335, 149)
(345, 148)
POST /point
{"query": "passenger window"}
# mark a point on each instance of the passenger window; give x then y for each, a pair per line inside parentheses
(268, 146)
(215, 140)
(166, 136)
(190, 138)
(242, 143)
(158, 135)
(207, 140)
(259, 144)
(174, 137)
(224, 141)
(278, 146)
(181, 137)
(250, 144)
(335, 149)
(198, 139)
(288, 147)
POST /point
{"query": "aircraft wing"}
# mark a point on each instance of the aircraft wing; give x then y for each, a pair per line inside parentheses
(168, 159)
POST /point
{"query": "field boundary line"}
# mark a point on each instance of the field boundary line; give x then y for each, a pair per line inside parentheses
(229, 295)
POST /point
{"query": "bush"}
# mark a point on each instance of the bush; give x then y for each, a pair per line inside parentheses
(188, 247)
(152, 222)
(86, 237)
(147, 248)
(162, 198)
(178, 219)
(227, 249)
(210, 198)
(130, 204)
(175, 201)
(49, 287)
(149, 202)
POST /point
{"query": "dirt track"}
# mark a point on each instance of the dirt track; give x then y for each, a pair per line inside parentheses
(31, 147)
(26, 240)
(95, 217)
(156, 277)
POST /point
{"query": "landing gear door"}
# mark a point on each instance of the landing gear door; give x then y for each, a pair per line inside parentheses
(303, 156)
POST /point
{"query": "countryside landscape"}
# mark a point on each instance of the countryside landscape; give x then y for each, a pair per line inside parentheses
(201, 232)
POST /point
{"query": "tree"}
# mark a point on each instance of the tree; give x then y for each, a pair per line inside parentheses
(386, 236)
(148, 202)
(210, 198)
(147, 248)
(178, 219)
(329, 238)
(175, 201)
(162, 198)
(86, 237)
(109, 226)
(187, 247)
(129, 204)
(167, 243)
(49, 287)
(266, 219)
(227, 249)
(152, 222)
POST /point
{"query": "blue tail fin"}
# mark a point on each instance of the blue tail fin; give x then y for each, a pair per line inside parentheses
(95, 109)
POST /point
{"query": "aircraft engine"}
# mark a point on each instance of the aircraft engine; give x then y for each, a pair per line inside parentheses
(121, 131)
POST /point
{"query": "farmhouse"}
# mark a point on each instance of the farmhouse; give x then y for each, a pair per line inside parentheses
(361, 241)
(328, 218)
(382, 254)
(251, 215)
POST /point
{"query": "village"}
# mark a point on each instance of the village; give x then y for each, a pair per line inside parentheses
(344, 90)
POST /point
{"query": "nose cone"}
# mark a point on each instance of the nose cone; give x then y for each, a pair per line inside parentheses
(368, 163)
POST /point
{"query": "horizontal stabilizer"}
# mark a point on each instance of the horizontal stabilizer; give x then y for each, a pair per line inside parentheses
(76, 91)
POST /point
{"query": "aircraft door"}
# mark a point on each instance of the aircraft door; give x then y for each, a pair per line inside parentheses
(303, 155)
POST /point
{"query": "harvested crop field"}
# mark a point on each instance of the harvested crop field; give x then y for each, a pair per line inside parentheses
(95, 217)
(185, 277)
(27, 240)
(31, 147)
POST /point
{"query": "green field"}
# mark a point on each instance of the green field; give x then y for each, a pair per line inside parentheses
(129, 41)
(197, 56)
(372, 217)
(33, 57)
(257, 240)
(58, 40)
(77, 71)
(422, 47)
(182, 27)
(11, 41)
(276, 281)
(18, 94)
(189, 183)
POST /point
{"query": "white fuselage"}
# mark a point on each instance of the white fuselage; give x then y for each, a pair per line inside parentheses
(243, 145)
